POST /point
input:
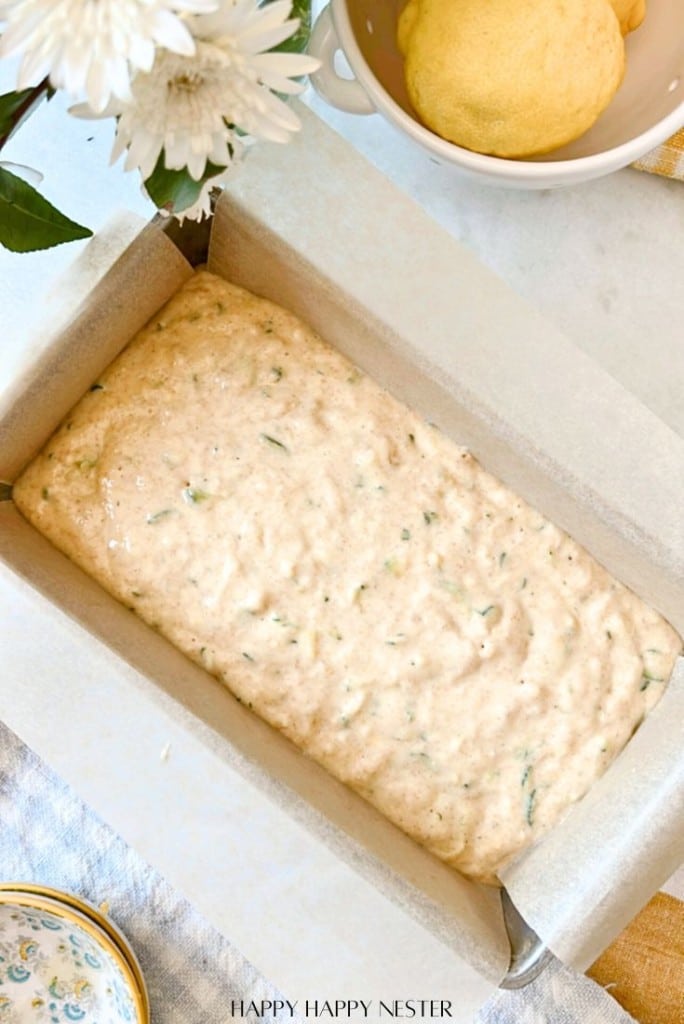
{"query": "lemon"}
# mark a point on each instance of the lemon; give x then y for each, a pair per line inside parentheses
(630, 13)
(407, 20)
(511, 78)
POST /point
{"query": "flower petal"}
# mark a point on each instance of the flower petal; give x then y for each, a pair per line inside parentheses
(29, 174)
(277, 72)
(173, 34)
(257, 39)
(33, 69)
(86, 112)
(15, 35)
(142, 53)
(197, 6)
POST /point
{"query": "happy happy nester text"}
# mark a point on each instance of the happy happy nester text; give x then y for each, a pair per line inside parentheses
(437, 1009)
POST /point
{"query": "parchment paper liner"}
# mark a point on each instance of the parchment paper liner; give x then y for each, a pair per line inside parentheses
(315, 228)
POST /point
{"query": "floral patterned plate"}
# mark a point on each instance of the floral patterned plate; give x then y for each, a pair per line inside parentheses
(61, 960)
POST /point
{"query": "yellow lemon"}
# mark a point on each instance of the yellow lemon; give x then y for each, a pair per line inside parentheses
(511, 78)
(630, 13)
(407, 20)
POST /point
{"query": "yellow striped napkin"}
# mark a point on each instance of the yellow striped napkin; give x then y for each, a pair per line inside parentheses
(667, 159)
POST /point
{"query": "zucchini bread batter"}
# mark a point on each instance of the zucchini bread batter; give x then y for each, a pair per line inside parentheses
(350, 574)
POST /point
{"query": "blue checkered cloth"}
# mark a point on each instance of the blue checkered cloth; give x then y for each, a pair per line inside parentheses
(193, 974)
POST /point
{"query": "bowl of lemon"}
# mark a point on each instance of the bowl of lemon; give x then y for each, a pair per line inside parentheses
(518, 93)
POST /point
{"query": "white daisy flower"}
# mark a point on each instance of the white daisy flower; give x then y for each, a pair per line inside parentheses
(194, 108)
(91, 47)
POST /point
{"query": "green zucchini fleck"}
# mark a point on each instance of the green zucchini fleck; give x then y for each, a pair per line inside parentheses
(156, 517)
(647, 678)
(274, 442)
(194, 495)
(485, 611)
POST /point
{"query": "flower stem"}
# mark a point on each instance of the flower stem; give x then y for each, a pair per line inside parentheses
(30, 99)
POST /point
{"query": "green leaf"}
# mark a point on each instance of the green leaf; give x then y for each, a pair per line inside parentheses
(175, 191)
(11, 105)
(15, 106)
(298, 42)
(28, 221)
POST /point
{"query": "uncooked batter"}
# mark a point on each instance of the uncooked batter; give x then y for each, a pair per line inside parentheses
(351, 574)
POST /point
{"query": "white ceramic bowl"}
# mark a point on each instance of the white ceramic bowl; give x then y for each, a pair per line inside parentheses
(61, 960)
(647, 109)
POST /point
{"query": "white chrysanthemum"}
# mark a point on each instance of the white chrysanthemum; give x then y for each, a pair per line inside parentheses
(91, 47)
(191, 107)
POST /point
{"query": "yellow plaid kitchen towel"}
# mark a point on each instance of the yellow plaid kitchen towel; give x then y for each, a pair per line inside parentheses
(667, 159)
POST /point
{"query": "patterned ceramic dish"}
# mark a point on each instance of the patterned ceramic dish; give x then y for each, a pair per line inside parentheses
(61, 960)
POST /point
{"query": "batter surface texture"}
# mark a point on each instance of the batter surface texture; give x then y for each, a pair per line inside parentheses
(351, 574)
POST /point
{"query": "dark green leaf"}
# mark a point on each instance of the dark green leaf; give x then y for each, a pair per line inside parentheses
(175, 191)
(15, 106)
(28, 221)
(11, 105)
